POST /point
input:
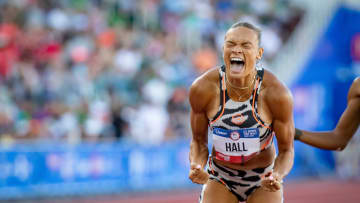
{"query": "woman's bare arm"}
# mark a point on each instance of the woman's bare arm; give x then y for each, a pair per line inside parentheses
(201, 93)
(349, 122)
(281, 105)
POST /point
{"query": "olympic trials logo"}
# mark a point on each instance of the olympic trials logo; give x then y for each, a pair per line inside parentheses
(235, 136)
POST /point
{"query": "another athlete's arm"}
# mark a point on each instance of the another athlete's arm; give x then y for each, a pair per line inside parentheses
(281, 106)
(338, 138)
(199, 153)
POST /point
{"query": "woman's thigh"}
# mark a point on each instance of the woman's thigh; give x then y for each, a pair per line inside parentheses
(260, 195)
(215, 192)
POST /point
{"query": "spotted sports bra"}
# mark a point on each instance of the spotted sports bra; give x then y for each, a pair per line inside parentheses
(238, 132)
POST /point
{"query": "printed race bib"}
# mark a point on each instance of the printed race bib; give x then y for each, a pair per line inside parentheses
(235, 145)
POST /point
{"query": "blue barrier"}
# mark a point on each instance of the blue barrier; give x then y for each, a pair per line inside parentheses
(57, 169)
(53, 169)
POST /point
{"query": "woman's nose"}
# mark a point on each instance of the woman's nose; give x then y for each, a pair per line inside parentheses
(237, 49)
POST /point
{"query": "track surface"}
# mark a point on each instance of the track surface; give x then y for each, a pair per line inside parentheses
(310, 191)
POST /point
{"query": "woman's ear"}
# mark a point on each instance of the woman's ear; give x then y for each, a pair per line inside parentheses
(261, 51)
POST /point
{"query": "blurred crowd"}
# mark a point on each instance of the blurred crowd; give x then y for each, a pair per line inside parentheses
(94, 70)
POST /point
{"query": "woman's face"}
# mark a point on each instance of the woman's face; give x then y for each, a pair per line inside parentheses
(241, 51)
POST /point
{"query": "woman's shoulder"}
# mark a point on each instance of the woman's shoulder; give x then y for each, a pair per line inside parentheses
(276, 92)
(354, 91)
(204, 88)
(271, 82)
(356, 82)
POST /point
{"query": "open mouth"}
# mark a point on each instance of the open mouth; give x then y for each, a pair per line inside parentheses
(237, 64)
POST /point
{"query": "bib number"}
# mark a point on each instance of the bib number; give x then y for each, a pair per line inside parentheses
(242, 142)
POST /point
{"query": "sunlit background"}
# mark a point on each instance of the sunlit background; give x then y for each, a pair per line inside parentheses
(94, 94)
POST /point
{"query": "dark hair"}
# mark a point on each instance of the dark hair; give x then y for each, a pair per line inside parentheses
(250, 26)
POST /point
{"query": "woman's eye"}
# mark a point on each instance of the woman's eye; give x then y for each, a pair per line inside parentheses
(247, 46)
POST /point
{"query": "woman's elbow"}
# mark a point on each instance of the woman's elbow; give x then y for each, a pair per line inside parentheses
(342, 146)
